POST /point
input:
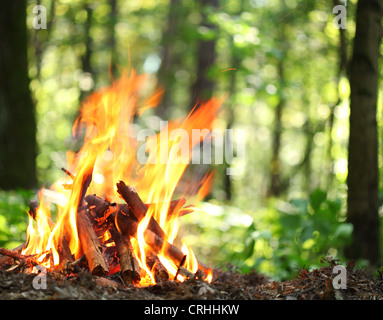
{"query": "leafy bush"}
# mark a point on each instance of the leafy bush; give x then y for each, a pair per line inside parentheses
(13, 217)
(274, 240)
(310, 229)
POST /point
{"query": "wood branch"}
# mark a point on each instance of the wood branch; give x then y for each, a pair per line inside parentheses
(129, 226)
(6, 259)
(78, 261)
(160, 272)
(11, 253)
(185, 210)
(130, 269)
(138, 208)
(91, 245)
(185, 272)
(33, 206)
(72, 176)
(158, 244)
(86, 181)
(24, 259)
(65, 255)
(99, 207)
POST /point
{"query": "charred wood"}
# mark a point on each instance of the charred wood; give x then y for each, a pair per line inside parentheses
(91, 245)
(130, 269)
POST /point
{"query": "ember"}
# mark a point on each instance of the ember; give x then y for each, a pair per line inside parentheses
(115, 213)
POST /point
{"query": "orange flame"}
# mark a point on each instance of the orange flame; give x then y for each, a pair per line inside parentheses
(38, 235)
(109, 154)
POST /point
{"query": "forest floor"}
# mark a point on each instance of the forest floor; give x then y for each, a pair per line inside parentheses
(313, 284)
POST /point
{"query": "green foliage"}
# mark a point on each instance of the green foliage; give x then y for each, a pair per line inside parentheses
(309, 229)
(13, 217)
(274, 240)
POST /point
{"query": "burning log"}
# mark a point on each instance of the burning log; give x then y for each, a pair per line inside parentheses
(12, 254)
(122, 221)
(65, 254)
(91, 246)
(90, 243)
(99, 207)
(154, 237)
(6, 259)
(31, 260)
(138, 208)
(130, 269)
(126, 222)
(33, 206)
(129, 226)
(86, 181)
(158, 244)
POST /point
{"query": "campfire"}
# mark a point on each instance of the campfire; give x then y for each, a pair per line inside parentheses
(118, 205)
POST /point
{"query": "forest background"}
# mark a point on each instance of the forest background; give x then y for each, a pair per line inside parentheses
(291, 70)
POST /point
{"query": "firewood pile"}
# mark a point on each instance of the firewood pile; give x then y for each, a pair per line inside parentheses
(104, 256)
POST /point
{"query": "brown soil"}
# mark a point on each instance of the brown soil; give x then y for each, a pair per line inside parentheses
(227, 285)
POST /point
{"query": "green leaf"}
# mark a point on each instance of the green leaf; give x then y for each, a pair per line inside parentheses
(300, 204)
(343, 231)
(249, 249)
(317, 197)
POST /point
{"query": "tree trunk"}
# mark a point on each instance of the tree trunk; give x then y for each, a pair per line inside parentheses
(362, 202)
(202, 88)
(86, 57)
(342, 71)
(17, 113)
(275, 171)
(166, 72)
(112, 38)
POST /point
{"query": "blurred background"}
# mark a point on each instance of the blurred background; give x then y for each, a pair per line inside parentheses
(282, 65)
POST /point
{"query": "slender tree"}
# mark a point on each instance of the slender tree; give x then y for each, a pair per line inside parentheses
(166, 71)
(275, 187)
(342, 72)
(112, 37)
(202, 88)
(362, 182)
(17, 112)
(86, 57)
(41, 37)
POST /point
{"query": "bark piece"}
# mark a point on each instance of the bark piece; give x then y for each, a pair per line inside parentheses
(99, 207)
(91, 246)
(129, 226)
(6, 259)
(158, 244)
(138, 208)
(130, 269)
